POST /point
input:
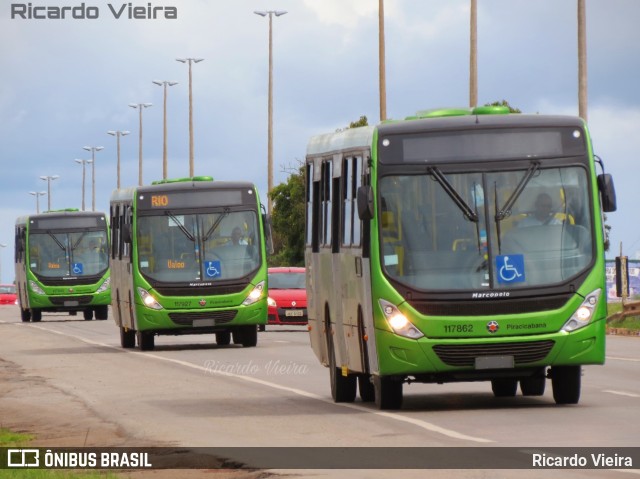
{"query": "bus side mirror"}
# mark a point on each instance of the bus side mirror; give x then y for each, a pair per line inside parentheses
(607, 193)
(126, 233)
(268, 233)
(364, 198)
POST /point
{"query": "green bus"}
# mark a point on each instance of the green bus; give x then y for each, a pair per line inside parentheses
(188, 256)
(62, 264)
(456, 245)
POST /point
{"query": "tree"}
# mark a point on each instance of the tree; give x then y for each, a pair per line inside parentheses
(287, 216)
(504, 103)
(287, 220)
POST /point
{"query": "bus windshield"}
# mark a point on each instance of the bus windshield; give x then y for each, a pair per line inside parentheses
(211, 246)
(59, 254)
(478, 230)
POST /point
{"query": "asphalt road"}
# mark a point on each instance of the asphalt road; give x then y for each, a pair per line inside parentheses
(190, 392)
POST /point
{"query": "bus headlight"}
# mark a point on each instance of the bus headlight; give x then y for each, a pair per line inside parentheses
(398, 321)
(148, 300)
(104, 286)
(35, 288)
(584, 313)
(255, 294)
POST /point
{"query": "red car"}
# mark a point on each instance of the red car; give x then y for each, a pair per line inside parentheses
(8, 294)
(287, 296)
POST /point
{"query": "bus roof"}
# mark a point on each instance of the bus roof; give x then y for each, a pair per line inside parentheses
(349, 139)
(362, 137)
(127, 194)
(21, 220)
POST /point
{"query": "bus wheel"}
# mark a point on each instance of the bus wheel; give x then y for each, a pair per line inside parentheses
(343, 388)
(223, 338)
(366, 388)
(504, 388)
(25, 315)
(127, 338)
(388, 392)
(102, 312)
(145, 340)
(534, 385)
(36, 315)
(246, 335)
(565, 381)
(88, 314)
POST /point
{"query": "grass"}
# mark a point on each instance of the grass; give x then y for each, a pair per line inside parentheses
(10, 438)
(631, 322)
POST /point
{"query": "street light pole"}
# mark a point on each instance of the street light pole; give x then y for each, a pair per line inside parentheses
(190, 61)
(270, 13)
(93, 150)
(2, 245)
(38, 194)
(140, 106)
(118, 134)
(382, 62)
(164, 124)
(49, 179)
(83, 162)
(473, 55)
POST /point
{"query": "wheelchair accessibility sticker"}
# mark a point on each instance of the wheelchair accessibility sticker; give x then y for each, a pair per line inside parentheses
(510, 268)
(77, 268)
(212, 269)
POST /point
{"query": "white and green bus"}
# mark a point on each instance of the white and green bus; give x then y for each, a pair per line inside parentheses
(456, 245)
(188, 256)
(62, 265)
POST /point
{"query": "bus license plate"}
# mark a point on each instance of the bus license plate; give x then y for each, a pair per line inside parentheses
(199, 323)
(495, 362)
(71, 303)
(293, 312)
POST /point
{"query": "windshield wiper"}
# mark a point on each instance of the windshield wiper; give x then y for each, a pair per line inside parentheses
(181, 226)
(62, 247)
(453, 194)
(214, 226)
(506, 209)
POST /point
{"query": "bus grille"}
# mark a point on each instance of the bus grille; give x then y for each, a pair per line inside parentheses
(187, 319)
(489, 307)
(465, 355)
(61, 300)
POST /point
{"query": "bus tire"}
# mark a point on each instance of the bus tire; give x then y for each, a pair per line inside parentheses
(249, 336)
(366, 388)
(504, 387)
(388, 392)
(25, 315)
(223, 338)
(102, 312)
(146, 341)
(88, 314)
(534, 385)
(565, 381)
(127, 338)
(343, 388)
(36, 315)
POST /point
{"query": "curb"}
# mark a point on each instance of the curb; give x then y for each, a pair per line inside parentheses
(623, 332)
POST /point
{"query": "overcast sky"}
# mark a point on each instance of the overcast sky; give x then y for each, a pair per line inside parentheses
(64, 83)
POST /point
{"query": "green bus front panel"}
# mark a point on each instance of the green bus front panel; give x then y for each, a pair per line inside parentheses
(403, 356)
(206, 312)
(69, 298)
(528, 340)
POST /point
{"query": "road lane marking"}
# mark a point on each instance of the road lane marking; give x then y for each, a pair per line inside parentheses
(633, 360)
(621, 393)
(389, 415)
